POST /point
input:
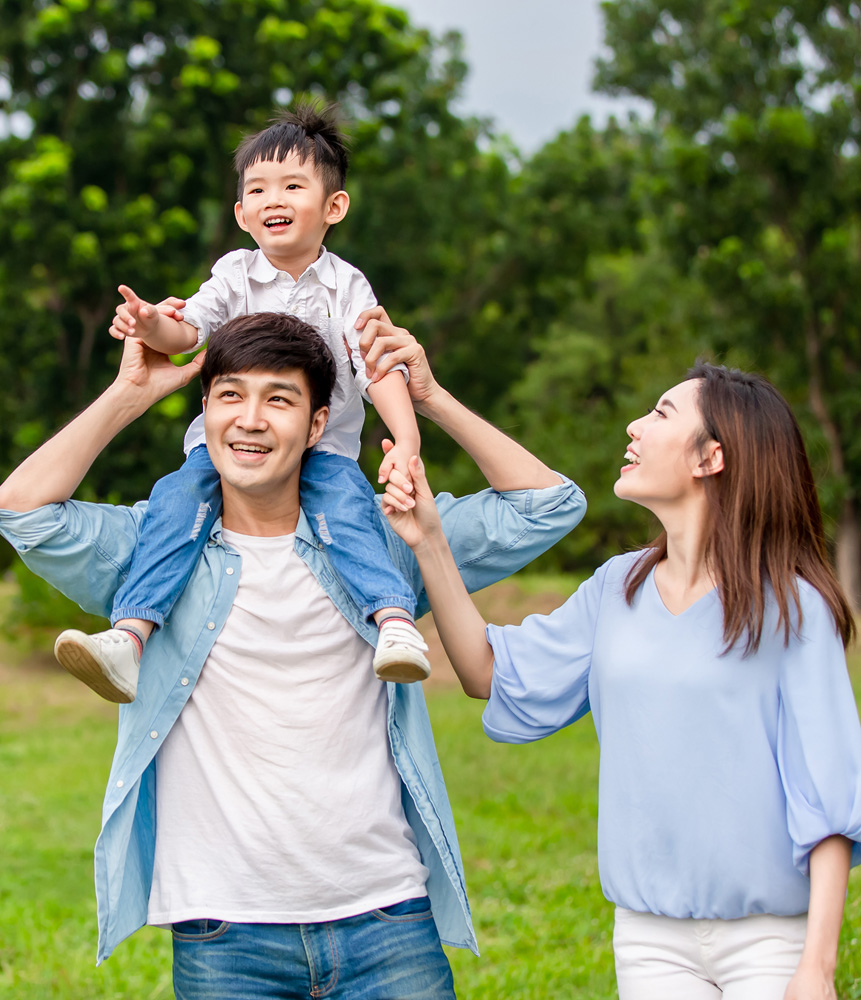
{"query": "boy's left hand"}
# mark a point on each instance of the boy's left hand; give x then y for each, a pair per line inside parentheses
(397, 456)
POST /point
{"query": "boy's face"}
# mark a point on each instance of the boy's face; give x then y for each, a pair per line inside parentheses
(287, 211)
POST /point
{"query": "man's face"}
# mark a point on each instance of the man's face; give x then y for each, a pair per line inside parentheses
(258, 425)
(286, 209)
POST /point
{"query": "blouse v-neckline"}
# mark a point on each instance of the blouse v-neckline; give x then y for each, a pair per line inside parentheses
(706, 597)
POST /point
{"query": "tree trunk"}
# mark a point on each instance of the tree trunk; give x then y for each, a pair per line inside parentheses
(848, 548)
(848, 554)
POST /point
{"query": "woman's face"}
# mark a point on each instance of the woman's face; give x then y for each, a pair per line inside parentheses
(663, 467)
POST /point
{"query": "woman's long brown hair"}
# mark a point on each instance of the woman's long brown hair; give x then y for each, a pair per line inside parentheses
(765, 523)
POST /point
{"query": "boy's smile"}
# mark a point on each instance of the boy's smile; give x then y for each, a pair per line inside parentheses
(287, 211)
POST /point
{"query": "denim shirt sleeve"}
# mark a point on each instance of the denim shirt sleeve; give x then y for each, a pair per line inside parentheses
(492, 535)
(82, 549)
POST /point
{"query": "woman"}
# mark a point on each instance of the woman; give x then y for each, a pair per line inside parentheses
(713, 665)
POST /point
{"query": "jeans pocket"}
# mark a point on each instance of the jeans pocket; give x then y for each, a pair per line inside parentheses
(418, 908)
(198, 930)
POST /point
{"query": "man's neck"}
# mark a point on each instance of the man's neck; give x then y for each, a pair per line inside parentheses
(263, 516)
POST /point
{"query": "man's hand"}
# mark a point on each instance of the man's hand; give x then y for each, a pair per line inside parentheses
(148, 376)
(53, 472)
(384, 345)
(136, 318)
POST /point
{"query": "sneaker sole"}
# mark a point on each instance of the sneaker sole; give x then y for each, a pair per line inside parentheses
(80, 664)
(401, 671)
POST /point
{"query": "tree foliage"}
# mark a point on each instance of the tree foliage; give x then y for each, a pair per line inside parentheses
(127, 175)
(757, 184)
(558, 295)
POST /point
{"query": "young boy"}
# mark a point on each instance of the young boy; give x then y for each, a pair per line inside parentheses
(291, 180)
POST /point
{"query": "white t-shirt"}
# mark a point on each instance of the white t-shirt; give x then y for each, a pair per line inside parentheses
(329, 294)
(278, 800)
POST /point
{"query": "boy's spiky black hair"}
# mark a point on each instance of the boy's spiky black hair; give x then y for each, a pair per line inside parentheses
(309, 129)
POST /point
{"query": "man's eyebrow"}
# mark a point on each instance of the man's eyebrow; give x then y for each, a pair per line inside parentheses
(284, 387)
(276, 385)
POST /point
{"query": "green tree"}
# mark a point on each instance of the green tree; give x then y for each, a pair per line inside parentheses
(136, 108)
(757, 182)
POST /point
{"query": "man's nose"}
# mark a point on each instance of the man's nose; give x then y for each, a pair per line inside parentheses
(251, 416)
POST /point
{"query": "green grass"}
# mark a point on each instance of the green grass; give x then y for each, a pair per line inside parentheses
(526, 817)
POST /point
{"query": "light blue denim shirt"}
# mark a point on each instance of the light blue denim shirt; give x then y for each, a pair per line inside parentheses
(84, 550)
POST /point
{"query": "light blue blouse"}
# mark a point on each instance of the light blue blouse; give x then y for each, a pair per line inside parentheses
(718, 773)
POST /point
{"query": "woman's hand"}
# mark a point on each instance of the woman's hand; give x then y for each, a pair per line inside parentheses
(810, 983)
(410, 508)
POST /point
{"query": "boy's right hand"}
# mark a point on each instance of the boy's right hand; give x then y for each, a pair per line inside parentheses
(136, 318)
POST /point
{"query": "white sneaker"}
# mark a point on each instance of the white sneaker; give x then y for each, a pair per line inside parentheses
(400, 655)
(108, 662)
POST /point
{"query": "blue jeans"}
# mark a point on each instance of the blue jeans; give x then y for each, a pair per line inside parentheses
(336, 498)
(389, 954)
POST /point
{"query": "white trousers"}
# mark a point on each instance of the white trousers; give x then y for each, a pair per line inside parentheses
(664, 958)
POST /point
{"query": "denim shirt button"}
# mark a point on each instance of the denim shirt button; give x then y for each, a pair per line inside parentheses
(184, 682)
(229, 571)
(120, 783)
(210, 625)
(154, 734)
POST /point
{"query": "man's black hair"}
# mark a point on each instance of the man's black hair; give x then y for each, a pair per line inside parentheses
(270, 342)
(310, 129)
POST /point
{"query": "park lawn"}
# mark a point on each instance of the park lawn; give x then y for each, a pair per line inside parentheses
(526, 817)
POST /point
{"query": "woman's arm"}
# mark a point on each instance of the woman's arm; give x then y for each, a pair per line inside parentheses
(461, 628)
(829, 877)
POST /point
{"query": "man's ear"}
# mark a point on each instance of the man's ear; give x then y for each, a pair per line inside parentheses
(240, 216)
(337, 206)
(711, 461)
(318, 425)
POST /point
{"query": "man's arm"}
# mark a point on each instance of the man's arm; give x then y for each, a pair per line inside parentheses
(53, 473)
(505, 464)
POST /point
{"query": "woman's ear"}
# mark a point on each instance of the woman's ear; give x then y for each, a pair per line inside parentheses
(711, 462)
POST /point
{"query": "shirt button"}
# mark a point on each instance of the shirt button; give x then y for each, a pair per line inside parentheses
(229, 571)
(120, 783)
(184, 682)
(154, 734)
(210, 625)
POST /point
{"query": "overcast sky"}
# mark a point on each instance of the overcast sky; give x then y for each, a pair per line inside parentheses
(530, 65)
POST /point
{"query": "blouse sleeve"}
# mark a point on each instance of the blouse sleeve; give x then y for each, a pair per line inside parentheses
(818, 736)
(541, 669)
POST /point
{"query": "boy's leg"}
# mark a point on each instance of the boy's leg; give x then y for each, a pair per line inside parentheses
(339, 503)
(182, 509)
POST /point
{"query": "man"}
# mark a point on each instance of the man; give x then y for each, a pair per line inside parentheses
(269, 800)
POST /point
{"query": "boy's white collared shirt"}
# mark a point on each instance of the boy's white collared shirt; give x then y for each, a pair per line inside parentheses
(329, 295)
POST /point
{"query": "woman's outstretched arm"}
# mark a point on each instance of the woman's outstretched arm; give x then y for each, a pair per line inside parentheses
(461, 628)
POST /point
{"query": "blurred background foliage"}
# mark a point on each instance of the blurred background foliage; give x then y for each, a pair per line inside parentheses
(558, 295)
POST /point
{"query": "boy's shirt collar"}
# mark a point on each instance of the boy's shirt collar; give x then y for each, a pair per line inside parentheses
(263, 270)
